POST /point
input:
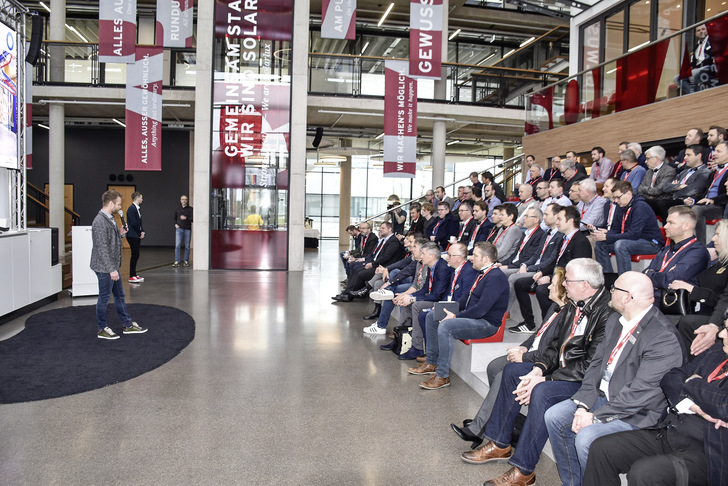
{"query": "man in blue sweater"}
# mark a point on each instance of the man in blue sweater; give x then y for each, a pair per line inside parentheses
(634, 231)
(481, 315)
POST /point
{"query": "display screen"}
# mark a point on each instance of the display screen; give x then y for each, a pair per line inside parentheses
(8, 98)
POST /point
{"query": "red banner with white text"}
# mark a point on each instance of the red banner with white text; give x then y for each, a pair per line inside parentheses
(144, 110)
(400, 120)
(117, 30)
(426, 38)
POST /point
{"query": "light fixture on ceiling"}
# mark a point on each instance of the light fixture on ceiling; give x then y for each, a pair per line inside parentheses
(454, 34)
(453, 142)
(45, 6)
(526, 41)
(44, 126)
(389, 9)
(364, 48)
(379, 136)
(73, 29)
(120, 123)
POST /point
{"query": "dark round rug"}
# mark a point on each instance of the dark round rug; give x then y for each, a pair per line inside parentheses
(58, 353)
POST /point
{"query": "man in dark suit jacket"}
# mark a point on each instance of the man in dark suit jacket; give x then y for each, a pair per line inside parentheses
(621, 388)
(368, 242)
(714, 200)
(417, 222)
(529, 244)
(688, 446)
(445, 226)
(659, 174)
(467, 223)
(688, 183)
(135, 234)
(570, 174)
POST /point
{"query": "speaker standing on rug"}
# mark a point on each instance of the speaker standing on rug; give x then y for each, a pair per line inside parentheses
(106, 261)
(182, 231)
(135, 234)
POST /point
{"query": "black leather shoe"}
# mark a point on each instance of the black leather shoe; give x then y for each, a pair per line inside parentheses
(467, 422)
(375, 312)
(387, 347)
(343, 297)
(466, 435)
(363, 292)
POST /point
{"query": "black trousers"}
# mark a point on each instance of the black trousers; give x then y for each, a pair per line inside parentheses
(359, 278)
(134, 244)
(649, 457)
(687, 325)
(522, 287)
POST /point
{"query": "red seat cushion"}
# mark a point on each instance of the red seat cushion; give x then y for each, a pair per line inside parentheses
(712, 221)
(495, 338)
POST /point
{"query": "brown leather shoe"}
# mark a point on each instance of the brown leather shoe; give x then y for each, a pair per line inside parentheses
(486, 453)
(513, 477)
(435, 382)
(423, 369)
(421, 359)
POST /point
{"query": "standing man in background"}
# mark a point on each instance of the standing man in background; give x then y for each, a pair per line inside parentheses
(183, 230)
(135, 234)
(105, 262)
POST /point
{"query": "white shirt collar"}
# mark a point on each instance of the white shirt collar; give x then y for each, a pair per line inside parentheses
(627, 325)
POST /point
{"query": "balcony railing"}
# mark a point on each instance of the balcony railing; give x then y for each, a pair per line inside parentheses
(363, 76)
(655, 72)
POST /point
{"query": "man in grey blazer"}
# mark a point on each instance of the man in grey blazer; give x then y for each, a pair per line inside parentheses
(659, 174)
(621, 388)
(106, 262)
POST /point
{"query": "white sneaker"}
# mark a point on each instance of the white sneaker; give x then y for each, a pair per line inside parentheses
(374, 329)
(382, 294)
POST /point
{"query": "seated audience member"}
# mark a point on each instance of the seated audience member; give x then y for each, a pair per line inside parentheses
(444, 227)
(456, 203)
(637, 149)
(474, 181)
(634, 232)
(705, 296)
(356, 238)
(610, 208)
(525, 201)
(529, 244)
(694, 136)
(658, 174)
(395, 214)
(688, 446)
(430, 197)
(683, 259)
(466, 226)
(571, 155)
(387, 251)
(553, 172)
(528, 352)
(556, 193)
(688, 183)
(417, 222)
(620, 389)
(428, 211)
(574, 194)
(602, 168)
(480, 316)
(442, 197)
(535, 175)
(553, 378)
(570, 174)
(506, 242)
(530, 162)
(498, 190)
(368, 242)
(574, 245)
(482, 226)
(477, 194)
(632, 172)
(713, 203)
(406, 281)
(591, 205)
(492, 200)
(716, 135)
(544, 259)
(542, 195)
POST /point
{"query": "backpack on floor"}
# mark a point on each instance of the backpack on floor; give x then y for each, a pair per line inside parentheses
(402, 339)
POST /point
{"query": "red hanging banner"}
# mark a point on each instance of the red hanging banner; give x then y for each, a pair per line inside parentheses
(117, 30)
(426, 38)
(400, 120)
(144, 110)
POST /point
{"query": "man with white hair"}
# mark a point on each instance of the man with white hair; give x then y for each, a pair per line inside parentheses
(591, 205)
(637, 149)
(621, 387)
(659, 173)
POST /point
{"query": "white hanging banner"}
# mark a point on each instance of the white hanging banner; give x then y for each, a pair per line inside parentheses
(426, 38)
(174, 23)
(117, 30)
(338, 19)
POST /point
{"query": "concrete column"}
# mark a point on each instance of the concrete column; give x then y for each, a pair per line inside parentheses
(57, 125)
(438, 127)
(297, 166)
(200, 161)
(344, 201)
(57, 31)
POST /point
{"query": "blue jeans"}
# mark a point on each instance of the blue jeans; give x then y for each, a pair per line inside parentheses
(344, 261)
(388, 306)
(623, 250)
(179, 235)
(440, 336)
(505, 410)
(571, 451)
(106, 288)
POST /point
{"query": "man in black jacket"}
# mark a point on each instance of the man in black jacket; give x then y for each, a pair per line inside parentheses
(445, 226)
(135, 234)
(714, 200)
(555, 377)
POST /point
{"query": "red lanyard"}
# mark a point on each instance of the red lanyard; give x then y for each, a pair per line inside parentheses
(575, 322)
(434, 230)
(596, 177)
(455, 278)
(364, 243)
(501, 234)
(688, 173)
(666, 263)
(465, 225)
(546, 243)
(718, 175)
(475, 231)
(492, 232)
(531, 199)
(548, 323)
(429, 283)
(480, 277)
(715, 376)
(624, 218)
(525, 239)
(620, 344)
(563, 246)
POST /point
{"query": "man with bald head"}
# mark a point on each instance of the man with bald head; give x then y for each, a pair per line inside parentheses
(621, 387)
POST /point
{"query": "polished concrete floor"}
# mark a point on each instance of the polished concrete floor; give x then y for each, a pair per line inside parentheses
(278, 387)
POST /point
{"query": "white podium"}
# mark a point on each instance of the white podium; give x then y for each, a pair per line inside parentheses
(84, 279)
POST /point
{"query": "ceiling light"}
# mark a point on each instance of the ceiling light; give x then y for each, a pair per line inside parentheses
(365, 47)
(509, 53)
(73, 29)
(117, 121)
(526, 41)
(453, 142)
(333, 158)
(379, 136)
(454, 34)
(45, 6)
(389, 9)
(43, 126)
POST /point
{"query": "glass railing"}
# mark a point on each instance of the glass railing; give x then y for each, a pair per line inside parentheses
(657, 71)
(81, 66)
(363, 76)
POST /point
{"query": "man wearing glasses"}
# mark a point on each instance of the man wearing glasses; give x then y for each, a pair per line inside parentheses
(620, 390)
(634, 231)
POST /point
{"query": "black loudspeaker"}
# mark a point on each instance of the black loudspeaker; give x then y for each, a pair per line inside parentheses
(54, 246)
(317, 138)
(36, 39)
